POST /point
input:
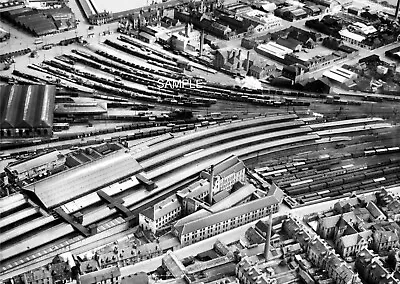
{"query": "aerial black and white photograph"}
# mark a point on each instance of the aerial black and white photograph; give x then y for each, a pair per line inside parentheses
(199, 141)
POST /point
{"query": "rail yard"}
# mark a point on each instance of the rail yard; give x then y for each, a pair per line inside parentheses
(126, 147)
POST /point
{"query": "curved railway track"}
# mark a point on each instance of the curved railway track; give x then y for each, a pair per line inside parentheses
(168, 165)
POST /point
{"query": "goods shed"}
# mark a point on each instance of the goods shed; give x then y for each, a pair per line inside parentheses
(26, 110)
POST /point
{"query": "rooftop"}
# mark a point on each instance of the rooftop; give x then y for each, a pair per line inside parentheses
(162, 208)
(227, 166)
(339, 74)
(348, 34)
(26, 106)
(195, 189)
(34, 162)
(100, 276)
(81, 180)
(234, 198)
(275, 49)
(173, 265)
(224, 215)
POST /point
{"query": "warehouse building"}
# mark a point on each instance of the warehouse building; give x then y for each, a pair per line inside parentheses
(340, 75)
(43, 22)
(191, 196)
(161, 214)
(226, 174)
(208, 225)
(26, 110)
(35, 167)
(11, 5)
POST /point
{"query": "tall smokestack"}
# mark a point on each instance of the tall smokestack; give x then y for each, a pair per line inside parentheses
(210, 194)
(187, 30)
(201, 42)
(268, 238)
(248, 60)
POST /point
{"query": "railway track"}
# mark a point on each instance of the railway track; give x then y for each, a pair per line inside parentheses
(168, 166)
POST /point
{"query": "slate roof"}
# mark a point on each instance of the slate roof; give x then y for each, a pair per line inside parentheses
(234, 198)
(195, 189)
(288, 43)
(253, 236)
(162, 208)
(354, 239)
(382, 236)
(228, 166)
(100, 276)
(171, 262)
(227, 214)
(374, 210)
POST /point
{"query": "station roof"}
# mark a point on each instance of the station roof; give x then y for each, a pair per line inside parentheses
(78, 181)
(35, 162)
(74, 108)
(26, 106)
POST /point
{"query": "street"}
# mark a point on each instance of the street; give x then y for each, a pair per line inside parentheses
(232, 235)
(21, 39)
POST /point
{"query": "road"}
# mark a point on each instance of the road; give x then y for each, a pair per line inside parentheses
(362, 53)
(21, 39)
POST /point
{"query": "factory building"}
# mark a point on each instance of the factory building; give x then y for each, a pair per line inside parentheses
(161, 214)
(191, 196)
(226, 174)
(35, 167)
(11, 5)
(202, 227)
(26, 110)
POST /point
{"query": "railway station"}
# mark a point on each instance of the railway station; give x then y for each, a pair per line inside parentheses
(253, 169)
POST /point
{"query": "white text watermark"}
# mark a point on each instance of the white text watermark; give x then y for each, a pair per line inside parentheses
(178, 84)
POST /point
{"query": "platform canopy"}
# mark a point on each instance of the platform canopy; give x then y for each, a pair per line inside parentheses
(82, 180)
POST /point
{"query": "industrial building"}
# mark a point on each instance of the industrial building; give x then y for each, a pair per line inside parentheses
(26, 110)
(161, 214)
(42, 22)
(340, 75)
(35, 167)
(202, 227)
(226, 174)
(11, 5)
(192, 195)
(188, 200)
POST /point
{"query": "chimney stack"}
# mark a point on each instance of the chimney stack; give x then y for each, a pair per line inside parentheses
(201, 42)
(268, 238)
(187, 30)
(248, 60)
(210, 193)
